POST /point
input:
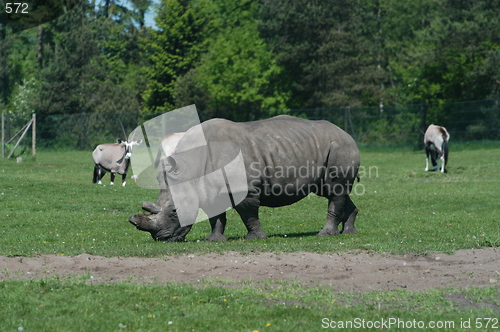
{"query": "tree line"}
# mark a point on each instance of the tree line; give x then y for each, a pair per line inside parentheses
(250, 59)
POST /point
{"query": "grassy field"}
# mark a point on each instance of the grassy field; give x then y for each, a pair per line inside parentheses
(52, 305)
(48, 205)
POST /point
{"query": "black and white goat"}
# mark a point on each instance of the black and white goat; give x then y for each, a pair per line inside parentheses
(436, 146)
(113, 158)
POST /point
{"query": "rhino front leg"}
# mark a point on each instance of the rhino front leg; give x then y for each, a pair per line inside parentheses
(350, 213)
(218, 224)
(249, 213)
(336, 208)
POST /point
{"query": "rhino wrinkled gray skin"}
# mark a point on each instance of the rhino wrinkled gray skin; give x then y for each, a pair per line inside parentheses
(285, 159)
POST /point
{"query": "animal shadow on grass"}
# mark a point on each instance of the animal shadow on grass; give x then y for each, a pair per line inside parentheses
(302, 234)
(288, 235)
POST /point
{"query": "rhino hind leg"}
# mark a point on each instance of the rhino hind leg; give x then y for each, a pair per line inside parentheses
(218, 224)
(341, 210)
(350, 213)
(255, 231)
(249, 213)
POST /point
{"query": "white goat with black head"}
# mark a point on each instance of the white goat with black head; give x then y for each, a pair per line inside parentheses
(436, 147)
(113, 158)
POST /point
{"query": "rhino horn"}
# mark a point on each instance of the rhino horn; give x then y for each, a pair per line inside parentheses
(151, 207)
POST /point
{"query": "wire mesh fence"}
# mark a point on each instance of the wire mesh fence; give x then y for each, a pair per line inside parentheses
(381, 125)
(405, 124)
(71, 131)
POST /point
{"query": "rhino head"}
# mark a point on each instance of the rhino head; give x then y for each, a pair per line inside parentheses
(191, 180)
(162, 224)
(178, 196)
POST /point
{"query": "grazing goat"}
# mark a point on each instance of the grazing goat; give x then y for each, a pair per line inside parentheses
(436, 146)
(113, 158)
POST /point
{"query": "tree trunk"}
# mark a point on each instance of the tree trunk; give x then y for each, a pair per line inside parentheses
(39, 55)
(3, 65)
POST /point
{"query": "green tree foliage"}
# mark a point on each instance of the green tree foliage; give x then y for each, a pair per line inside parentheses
(331, 51)
(451, 55)
(83, 62)
(68, 75)
(238, 72)
(251, 58)
(18, 65)
(172, 51)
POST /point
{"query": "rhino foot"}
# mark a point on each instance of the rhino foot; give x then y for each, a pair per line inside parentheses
(256, 235)
(326, 232)
(216, 237)
(349, 231)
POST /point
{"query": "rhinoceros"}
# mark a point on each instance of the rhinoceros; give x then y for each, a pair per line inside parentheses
(167, 146)
(285, 159)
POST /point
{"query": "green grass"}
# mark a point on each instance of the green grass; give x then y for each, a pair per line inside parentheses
(48, 205)
(78, 305)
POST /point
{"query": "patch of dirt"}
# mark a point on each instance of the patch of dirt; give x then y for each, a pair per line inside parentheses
(351, 272)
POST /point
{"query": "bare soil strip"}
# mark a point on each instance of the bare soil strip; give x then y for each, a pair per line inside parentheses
(351, 272)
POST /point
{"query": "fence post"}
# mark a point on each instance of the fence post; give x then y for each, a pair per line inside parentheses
(33, 135)
(20, 139)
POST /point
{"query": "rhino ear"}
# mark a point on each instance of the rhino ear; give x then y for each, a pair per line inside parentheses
(171, 165)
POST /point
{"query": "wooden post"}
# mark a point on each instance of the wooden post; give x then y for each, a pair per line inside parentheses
(3, 135)
(33, 135)
(20, 139)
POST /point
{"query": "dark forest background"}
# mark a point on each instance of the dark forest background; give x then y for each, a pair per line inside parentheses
(250, 59)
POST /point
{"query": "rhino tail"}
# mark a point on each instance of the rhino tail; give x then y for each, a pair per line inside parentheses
(342, 162)
(332, 152)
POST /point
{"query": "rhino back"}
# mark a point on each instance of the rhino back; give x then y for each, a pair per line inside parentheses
(285, 151)
(283, 140)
